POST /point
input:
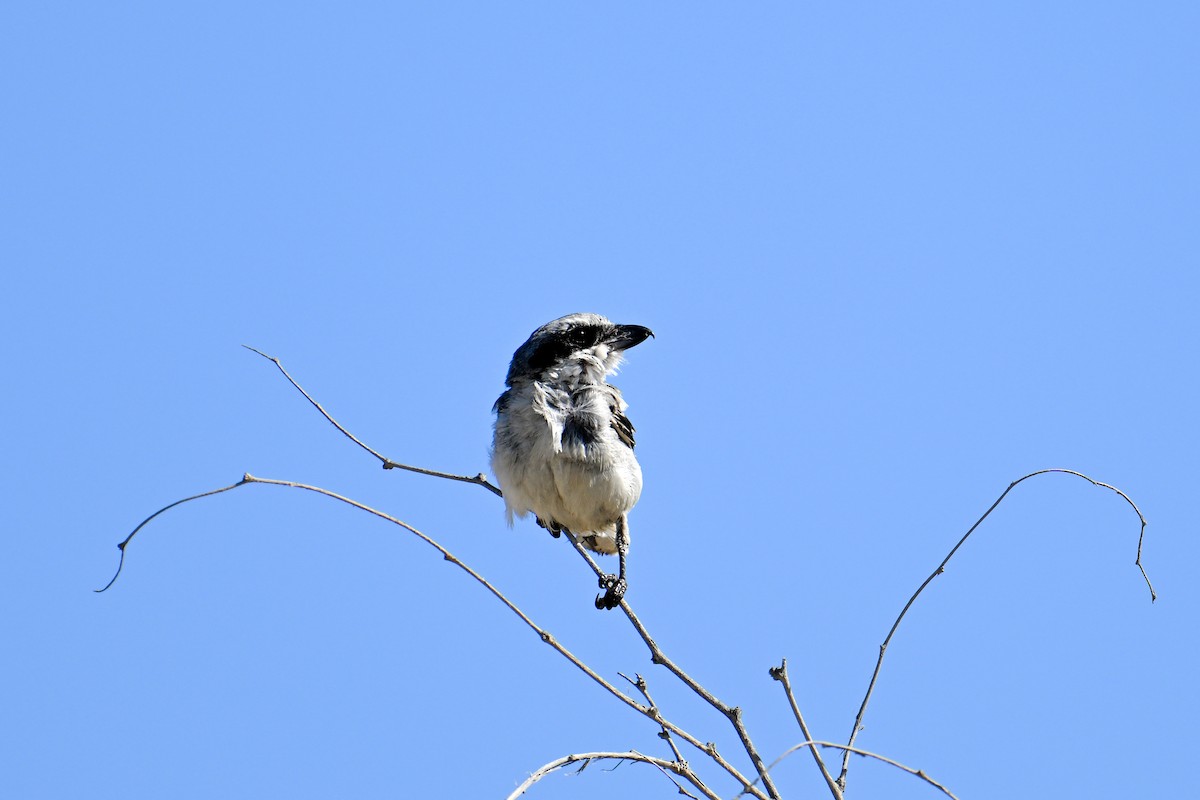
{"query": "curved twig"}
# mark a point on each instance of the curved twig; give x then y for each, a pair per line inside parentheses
(941, 568)
(125, 541)
(665, 766)
(920, 773)
(478, 480)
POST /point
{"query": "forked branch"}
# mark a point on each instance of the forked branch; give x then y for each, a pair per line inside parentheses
(664, 734)
(645, 710)
(780, 674)
(657, 656)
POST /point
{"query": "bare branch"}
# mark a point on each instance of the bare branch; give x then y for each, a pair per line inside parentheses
(478, 480)
(640, 684)
(941, 568)
(780, 674)
(667, 767)
(126, 540)
(657, 656)
(849, 750)
(543, 634)
(678, 785)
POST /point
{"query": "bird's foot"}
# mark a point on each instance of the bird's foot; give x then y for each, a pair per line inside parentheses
(614, 588)
(554, 528)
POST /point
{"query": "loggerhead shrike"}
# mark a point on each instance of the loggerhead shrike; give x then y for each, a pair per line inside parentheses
(563, 447)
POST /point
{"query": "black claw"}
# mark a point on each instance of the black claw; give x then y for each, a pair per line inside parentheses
(614, 589)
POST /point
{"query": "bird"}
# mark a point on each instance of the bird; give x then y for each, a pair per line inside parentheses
(562, 447)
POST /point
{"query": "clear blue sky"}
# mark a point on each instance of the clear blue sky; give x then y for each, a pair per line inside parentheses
(896, 256)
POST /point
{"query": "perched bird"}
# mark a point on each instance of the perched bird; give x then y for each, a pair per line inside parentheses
(563, 447)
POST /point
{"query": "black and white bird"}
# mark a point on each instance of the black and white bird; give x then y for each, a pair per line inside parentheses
(563, 447)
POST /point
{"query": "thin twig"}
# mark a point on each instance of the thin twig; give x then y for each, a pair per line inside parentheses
(543, 634)
(920, 773)
(780, 674)
(640, 685)
(657, 656)
(125, 541)
(941, 568)
(679, 786)
(631, 755)
(478, 480)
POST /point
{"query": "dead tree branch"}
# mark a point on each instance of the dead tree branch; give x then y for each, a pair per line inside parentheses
(657, 656)
(942, 567)
(667, 767)
(780, 674)
(867, 754)
(664, 734)
(646, 710)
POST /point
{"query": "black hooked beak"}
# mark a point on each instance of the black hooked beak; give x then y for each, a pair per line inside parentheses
(624, 337)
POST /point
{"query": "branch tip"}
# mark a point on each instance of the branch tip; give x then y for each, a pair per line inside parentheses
(854, 731)
(122, 545)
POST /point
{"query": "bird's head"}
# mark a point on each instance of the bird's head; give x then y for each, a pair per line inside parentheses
(577, 348)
